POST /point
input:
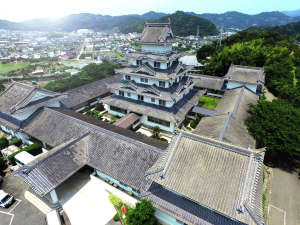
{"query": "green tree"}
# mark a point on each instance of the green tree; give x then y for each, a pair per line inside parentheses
(3, 143)
(276, 126)
(156, 132)
(142, 214)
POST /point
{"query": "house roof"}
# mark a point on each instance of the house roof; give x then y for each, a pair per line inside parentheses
(121, 155)
(208, 82)
(224, 178)
(157, 33)
(79, 96)
(246, 74)
(157, 57)
(127, 121)
(173, 114)
(227, 124)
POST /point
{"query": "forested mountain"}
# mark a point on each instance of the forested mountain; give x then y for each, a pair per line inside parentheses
(243, 21)
(292, 12)
(291, 29)
(182, 25)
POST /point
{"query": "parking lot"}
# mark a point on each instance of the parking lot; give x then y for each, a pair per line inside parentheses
(21, 212)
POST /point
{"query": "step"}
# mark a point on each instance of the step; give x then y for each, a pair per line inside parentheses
(38, 203)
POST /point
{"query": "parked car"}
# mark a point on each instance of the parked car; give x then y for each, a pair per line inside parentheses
(6, 199)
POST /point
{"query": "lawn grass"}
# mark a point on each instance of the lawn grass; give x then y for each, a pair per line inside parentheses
(117, 203)
(209, 102)
(6, 68)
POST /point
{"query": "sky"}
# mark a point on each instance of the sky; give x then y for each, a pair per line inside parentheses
(19, 10)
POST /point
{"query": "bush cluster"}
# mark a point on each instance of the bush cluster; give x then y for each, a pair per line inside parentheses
(17, 142)
(34, 149)
(3, 143)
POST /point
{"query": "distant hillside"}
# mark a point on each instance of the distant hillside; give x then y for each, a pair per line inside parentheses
(182, 25)
(292, 12)
(80, 21)
(291, 29)
(243, 21)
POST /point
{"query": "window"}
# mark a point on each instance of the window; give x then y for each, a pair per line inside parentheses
(141, 97)
(159, 121)
(117, 109)
(138, 62)
(127, 77)
(144, 80)
(121, 93)
(168, 65)
(152, 99)
(162, 84)
(157, 65)
(128, 94)
(162, 102)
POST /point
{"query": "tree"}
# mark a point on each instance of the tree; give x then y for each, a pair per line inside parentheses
(3, 143)
(156, 132)
(142, 214)
(276, 126)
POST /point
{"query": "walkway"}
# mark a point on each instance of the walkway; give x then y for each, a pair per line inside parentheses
(284, 204)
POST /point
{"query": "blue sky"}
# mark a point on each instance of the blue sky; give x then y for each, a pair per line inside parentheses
(18, 10)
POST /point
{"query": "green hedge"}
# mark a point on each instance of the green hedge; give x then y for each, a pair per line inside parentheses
(34, 149)
(17, 142)
(3, 143)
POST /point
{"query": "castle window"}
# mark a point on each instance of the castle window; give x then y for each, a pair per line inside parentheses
(157, 65)
(152, 99)
(159, 121)
(144, 80)
(127, 77)
(162, 84)
(121, 93)
(162, 102)
(128, 94)
(117, 109)
(141, 97)
(138, 62)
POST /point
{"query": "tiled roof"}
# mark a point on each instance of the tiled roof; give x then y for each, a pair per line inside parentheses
(78, 97)
(246, 74)
(224, 178)
(208, 82)
(227, 124)
(173, 114)
(117, 155)
(157, 33)
(127, 121)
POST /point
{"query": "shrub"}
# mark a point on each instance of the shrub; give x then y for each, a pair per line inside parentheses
(143, 213)
(2, 164)
(3, 143)
(33, 149)
(17, 142)
(116, 217)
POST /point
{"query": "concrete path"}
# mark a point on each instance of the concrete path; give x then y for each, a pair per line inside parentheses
(284, 204)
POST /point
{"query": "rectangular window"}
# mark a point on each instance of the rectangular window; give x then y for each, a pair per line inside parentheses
(117, 109)
(138, 62)
(159, 121)
(127, 77)
(168, 65)
(141, 97)
(162, 84)
(162, 102)
(157, 65)
(144, 80)
(152, 99)
(121, 93)
(128, 94)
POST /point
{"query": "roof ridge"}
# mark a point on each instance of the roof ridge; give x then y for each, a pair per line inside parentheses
(173, 148)
(14, 108)
(125, 138)
(220, 144)
(223, 131)
(237, 104)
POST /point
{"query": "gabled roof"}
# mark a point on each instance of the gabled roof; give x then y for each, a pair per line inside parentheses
(246, 74)
(208, 82)
(224, 178)
(157, 33)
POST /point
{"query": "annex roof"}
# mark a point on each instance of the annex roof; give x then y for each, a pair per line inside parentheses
(224, 178)
(208, 82)
(127, 121)
(227, 124)
(246, 74)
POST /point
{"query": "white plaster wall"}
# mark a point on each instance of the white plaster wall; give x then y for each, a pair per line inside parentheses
(157, 49)
(234, 84)
(144, 120)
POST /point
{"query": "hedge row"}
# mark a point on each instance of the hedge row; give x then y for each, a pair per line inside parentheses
(33, 149)
(17, 142)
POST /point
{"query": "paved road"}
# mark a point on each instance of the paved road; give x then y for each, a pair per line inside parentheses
(21, 212)
(284, 205)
